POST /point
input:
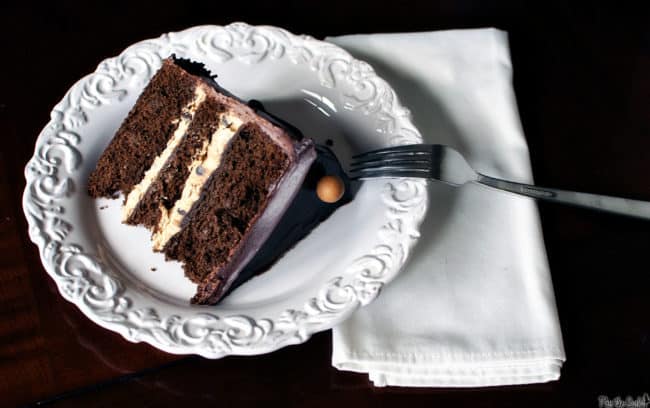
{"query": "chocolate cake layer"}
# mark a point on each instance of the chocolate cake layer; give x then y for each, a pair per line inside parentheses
(144, 133)
(230, 202)
(167, 187)
(215, 286)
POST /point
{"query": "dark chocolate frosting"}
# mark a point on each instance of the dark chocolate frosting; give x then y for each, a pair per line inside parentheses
(259, 108)
(303, 215)
(193, 67)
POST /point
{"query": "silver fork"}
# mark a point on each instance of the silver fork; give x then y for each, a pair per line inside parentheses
(439, 162)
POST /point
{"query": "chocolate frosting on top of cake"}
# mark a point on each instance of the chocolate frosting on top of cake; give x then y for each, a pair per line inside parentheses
(193, 67)
(259, 108)
(199, 69)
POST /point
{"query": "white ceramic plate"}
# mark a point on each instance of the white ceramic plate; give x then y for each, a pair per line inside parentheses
(109, 270)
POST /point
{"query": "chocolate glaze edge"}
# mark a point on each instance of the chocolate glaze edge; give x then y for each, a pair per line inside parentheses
(305, 213)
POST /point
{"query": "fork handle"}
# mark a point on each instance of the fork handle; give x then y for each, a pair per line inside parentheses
(624, 206)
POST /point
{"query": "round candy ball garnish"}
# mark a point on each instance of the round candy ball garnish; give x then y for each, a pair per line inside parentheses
(330, 189)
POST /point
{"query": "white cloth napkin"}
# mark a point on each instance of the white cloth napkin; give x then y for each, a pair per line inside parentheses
(474, 306)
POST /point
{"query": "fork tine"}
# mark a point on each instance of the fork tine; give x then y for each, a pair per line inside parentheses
(401, 160)
(398, 161)
(370, 156)
(399, 156)
(407, 164)
(424, 168)
(389, 173)
(405, 149)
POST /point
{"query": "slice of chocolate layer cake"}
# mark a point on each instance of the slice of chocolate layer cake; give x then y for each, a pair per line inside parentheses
(207, 174)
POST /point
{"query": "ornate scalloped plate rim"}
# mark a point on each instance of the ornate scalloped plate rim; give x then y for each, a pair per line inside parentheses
(207, 334)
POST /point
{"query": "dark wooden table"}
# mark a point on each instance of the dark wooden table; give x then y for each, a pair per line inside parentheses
(582, 79)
